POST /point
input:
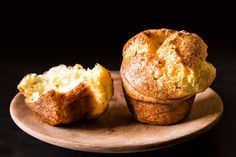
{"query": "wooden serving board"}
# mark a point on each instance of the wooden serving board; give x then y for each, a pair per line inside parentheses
(116, 131)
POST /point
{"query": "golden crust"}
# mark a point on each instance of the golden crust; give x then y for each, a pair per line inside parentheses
(166, 64)
(59, 102)
(158, 113)
(146, 41)
(162, 70)
(55, 108)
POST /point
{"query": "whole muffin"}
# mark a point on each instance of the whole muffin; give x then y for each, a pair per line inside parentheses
(162, 70)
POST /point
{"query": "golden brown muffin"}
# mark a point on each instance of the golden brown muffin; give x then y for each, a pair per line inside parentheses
(164, 69)
(65, 94)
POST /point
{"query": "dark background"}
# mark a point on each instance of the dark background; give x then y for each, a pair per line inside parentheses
(34, 37)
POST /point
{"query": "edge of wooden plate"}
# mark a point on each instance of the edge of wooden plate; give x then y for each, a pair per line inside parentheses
(126, 148)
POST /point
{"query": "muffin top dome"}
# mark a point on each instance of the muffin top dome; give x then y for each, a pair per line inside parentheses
(167, 64)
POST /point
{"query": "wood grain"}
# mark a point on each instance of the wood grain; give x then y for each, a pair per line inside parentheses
(116, 131)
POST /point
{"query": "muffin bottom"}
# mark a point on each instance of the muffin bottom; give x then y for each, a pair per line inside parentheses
(160, 113)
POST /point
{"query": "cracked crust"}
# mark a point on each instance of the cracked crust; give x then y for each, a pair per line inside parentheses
(167, 64)
(162, 70)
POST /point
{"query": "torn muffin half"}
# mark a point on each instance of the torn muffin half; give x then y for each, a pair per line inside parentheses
(65, 94)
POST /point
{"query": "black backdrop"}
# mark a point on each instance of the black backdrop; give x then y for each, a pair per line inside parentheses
(96, 32)
(34, 37)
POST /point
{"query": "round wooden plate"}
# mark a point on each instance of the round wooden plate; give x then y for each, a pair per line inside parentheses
(116, 131)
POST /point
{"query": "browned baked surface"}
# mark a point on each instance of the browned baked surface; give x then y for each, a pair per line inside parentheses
(162, 70)
(157, 113)
(167, 64)
(65, 94)
(55, 108)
